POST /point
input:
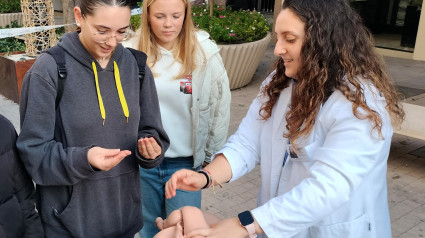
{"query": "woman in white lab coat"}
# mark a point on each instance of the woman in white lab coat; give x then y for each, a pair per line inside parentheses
(321, 130)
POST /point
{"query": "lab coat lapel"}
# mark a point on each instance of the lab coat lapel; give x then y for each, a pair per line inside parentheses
(278, 141)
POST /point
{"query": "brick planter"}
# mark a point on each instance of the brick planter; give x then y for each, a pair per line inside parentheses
(12, 71)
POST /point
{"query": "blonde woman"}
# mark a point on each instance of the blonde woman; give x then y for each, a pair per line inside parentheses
(194, 98)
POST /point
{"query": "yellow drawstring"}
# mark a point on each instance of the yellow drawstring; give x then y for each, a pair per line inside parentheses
(120, 92)
(99, 96)
(119, 89)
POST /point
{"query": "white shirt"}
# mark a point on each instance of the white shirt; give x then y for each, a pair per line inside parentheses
(174, 104)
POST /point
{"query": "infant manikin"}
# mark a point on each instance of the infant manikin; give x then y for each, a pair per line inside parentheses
(182, 221)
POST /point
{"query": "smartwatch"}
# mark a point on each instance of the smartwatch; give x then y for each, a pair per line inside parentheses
(247, 221)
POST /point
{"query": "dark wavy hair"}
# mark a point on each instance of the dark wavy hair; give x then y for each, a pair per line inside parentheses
(337, 53)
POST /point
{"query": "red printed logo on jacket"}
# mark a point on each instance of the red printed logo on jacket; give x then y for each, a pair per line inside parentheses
(186, 84)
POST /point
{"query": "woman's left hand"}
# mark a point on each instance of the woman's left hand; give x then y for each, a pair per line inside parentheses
(149, 148)
(226, 228)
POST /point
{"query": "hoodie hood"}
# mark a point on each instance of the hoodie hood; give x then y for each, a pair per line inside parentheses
(209, 47)
(73, 46)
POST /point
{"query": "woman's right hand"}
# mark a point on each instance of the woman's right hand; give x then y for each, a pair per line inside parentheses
(106, 159)
(184, 179)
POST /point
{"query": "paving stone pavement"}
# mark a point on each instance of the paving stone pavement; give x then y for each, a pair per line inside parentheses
(406, 164)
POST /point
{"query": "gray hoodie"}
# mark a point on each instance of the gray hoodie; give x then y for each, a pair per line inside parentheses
(74, 199)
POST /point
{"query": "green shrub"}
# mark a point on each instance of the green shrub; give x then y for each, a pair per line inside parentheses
(10, 6)
(226, 26)
(135, 20)
(229, 27)
(11, 44)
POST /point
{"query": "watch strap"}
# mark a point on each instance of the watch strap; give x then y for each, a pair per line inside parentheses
(251, 230)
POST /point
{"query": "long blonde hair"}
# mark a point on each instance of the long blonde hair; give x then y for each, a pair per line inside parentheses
(186, 49)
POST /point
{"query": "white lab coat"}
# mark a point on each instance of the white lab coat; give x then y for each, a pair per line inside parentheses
(337, 185)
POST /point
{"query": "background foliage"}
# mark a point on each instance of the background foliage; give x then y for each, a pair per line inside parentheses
(135, 20)
(10, 6)
(11, 44)
(228, 26)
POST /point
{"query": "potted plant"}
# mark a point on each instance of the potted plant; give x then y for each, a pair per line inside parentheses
(13, 64)
(10, 10)
(242, 35)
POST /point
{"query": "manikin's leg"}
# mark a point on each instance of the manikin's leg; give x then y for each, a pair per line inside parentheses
(172, 220)
(193, 219)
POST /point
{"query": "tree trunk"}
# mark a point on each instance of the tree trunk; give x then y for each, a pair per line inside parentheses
(218, 2)
(211, 3)
(68, 14)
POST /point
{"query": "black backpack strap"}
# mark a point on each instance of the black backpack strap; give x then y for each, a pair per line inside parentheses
(141, 62)
(58, 53)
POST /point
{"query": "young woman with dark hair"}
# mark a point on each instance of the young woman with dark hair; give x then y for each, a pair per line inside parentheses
(321, 130)
(84, 153)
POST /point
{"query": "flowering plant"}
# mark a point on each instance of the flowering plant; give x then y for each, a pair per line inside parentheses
(229, 27)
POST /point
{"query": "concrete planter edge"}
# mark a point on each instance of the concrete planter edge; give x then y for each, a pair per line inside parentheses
(241, 60)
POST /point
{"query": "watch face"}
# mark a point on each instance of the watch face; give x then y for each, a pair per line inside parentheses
(246, 218)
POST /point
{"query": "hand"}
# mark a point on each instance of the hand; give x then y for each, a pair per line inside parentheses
(106, 159)
(149, 148)
(226, 228)
(159, 223)
(184, 179)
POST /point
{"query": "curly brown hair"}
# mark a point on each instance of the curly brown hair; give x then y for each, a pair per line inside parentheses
(337, 54)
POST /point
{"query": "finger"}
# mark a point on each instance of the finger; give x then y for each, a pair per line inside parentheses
(159, 222)
(150, 149)
(110, 152)
(122, 154)
(139, 145)
(173, 186)
(169, 188)
(155, 145)
(111, 162)
(144, 151)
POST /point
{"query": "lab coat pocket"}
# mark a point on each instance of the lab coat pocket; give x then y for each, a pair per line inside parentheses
(351, 229)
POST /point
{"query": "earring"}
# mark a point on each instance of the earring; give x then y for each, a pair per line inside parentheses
(78, 24)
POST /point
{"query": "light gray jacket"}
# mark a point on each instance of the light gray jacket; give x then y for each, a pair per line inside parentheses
(210, 101)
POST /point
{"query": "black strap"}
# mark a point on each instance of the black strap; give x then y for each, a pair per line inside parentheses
(141, 62)
(58, 53)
